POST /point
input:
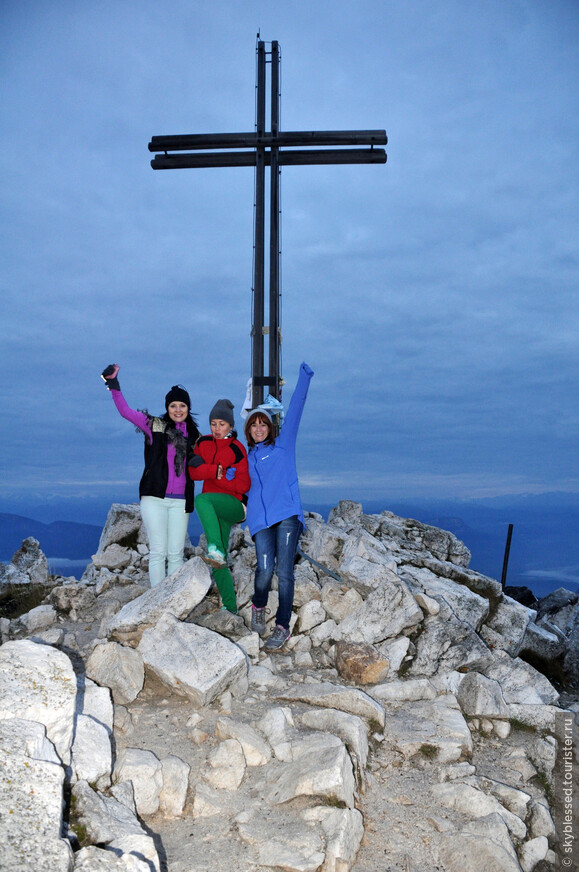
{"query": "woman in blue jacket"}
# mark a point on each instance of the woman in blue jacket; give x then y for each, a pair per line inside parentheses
(274, 511)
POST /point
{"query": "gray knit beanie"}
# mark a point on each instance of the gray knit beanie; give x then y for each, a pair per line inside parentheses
(259, 411)
(222, 411)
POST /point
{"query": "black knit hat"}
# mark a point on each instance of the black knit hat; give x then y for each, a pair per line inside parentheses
(222, 411)
(177, 394)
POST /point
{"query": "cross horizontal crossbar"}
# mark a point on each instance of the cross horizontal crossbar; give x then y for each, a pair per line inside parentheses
(285, 158)
(281, 139)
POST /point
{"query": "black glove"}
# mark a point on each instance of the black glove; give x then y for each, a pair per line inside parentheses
(109, 376)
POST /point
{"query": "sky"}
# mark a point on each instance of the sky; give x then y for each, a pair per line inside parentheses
(435, 296)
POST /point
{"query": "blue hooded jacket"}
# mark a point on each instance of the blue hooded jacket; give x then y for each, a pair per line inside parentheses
(274, 494)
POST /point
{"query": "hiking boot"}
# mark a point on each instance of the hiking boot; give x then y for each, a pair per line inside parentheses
(214, 558)
(258, 621)
(277, 639)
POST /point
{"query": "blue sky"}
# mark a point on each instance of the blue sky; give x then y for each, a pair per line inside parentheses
(435, 297)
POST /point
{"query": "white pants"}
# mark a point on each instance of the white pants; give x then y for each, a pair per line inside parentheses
(166, 524)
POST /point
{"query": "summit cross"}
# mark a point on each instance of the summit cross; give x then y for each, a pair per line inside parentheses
(274, 148)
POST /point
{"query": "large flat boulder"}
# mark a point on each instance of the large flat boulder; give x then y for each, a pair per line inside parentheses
(177, 595)
(37, 683)
(191, 660)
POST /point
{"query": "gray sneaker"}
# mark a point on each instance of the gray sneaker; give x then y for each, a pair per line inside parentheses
(277, 639)
(258, 621)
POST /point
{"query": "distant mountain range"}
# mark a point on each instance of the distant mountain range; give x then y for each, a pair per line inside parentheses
(544, 550)
(59, 539)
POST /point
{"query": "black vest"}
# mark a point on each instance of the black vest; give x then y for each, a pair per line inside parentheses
(156, 473)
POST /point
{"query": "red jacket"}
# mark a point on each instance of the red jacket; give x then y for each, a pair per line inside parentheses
(227, 452)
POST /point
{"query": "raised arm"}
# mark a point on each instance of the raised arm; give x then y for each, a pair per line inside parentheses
(293, 416)
(139, 419)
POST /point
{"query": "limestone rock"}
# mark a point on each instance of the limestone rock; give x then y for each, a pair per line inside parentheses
(347, 699)
(144, 769)
(360, 663)
(520, 682)
(399, 691)
(72, 597)
(479, 696)
(384, 614)
(30, 564)
(482, 844)
(104, 817)
(543, 643)
(339, 600)
(532, 852)
(323, 633)
(137, 847)
(446, 644)
(31, 801)
(177, 595)
(343, 830)
(287, 739)
(395, 651)
(123, 526)
(428, 727)
(175, 774)
(118, 667)
(321, 767)
(114, 557)
(27, 739)
(96, 702)
(349, 728)
(541, 822)
(91, 752)
(191, 660)
(227, 763)
(208, 801)
(346, 514)
(255, 749)
(326, 541)
(365, 575)
(469, 800)
(277, 725)
(39, 618)
(306, 585)
(510, 620)
(290, 845)
(310, 615)
(465, 604)
(93, 859)
(38, 683)
(558, 607)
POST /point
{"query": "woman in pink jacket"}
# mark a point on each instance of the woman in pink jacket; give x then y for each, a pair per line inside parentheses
(165, 489)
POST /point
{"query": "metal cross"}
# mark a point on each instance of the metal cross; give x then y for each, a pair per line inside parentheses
(273, 148)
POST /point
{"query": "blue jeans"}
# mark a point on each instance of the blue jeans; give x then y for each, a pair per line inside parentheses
(166, 523)
(275, 548)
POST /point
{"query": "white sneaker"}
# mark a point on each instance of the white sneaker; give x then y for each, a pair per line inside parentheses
(215, 558)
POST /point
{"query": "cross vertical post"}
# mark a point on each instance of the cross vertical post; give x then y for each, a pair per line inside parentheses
(275, 148)
(257, 330)
(274, 246)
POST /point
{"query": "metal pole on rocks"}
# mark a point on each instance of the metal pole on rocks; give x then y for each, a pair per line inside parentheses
(506, 560)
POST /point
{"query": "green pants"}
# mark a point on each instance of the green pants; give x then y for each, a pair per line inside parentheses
(218, 513)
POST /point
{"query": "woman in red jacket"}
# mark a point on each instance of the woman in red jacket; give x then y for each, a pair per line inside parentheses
(220, 462)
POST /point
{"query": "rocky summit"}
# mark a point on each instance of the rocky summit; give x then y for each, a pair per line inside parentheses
(403, 727)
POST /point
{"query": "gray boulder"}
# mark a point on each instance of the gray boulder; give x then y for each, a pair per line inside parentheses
(178, 594)
(191, 660)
